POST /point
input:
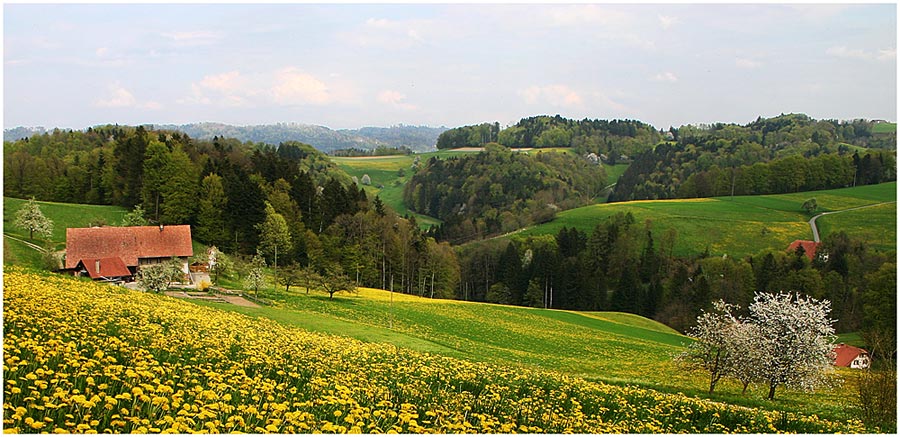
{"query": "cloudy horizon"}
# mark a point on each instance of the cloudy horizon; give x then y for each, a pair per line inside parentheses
(349, 66)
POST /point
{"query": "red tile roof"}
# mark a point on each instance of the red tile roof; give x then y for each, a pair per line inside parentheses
(128, 243)
(809, 247)
(845, 354)
(111, 267)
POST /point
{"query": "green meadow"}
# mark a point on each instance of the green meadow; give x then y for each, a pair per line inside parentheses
(745, 225)
(884, 128)
(615, 348)
(389, 175)
(63, 215)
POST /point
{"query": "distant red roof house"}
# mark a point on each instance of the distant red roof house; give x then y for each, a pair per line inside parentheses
(809, 247)
(134, 246)
(851, 356)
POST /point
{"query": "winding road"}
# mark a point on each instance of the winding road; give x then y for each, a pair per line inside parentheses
(812, 221)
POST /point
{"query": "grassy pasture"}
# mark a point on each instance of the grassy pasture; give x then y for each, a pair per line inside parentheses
(746, 225)
(884, 128)
(614, 172)
(63, 215)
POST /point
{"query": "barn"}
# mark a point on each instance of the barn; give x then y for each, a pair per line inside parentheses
(118, 253)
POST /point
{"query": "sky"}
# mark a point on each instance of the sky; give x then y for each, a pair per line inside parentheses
(349, 66)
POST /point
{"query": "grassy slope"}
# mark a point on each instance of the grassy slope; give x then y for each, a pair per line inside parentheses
(882, 128)
(63, 215)
(747, 224)
(610, 347)
(383, 170)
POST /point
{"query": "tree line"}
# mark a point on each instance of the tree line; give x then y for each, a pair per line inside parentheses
(500, 190)
(626, 266)
(788, 153)
(611, 138)
(243, 198)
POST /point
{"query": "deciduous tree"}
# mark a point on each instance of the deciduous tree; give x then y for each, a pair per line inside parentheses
(255, 278)
(30, 217)
(795, 339)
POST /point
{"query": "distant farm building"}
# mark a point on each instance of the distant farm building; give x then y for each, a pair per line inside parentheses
(118, 253)
(851, 356)
(809, 248)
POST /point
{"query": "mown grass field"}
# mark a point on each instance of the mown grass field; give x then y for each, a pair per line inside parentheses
(746, 225)
(82, 357)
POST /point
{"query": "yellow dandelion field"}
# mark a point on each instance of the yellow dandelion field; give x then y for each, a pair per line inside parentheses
(82, 357)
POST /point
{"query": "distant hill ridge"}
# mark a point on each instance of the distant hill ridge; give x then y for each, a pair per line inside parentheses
(417, 138)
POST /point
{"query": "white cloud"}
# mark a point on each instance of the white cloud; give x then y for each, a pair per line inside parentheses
(396, 34)
(118, 97)
(747, 63)
(880, 55)
(293, 86)
(554, 95)
(667, 21)
(152, 105)
(229, 89)
(666, 76)
(395, 99)
(192, 38)
(102, 51)
(225, 82)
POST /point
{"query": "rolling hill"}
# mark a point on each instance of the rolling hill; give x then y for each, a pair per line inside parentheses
(746, 225)
(485, 368)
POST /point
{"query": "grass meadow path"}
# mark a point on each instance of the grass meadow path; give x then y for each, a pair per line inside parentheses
(812, 221)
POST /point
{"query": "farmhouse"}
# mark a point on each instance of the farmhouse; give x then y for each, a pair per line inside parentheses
(809, 247)
(117, 253)
(851, 356)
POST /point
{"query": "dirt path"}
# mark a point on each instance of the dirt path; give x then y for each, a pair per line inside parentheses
(812, 221)
(220, 298)
(29, 244)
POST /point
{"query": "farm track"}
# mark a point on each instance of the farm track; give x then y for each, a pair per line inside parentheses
(29, 244)
(812, 221)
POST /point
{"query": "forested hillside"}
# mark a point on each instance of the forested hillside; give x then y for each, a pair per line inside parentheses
(246, 197)
(230, 192)
(416, 138)
(615, 139)
(500, 190)
(622, 265)
(785, 154)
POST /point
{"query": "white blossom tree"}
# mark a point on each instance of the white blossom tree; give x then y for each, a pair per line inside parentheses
(713, 348)
(30, 217)
(747, 364)
(795, 341)
(255, 278)
(155, 277)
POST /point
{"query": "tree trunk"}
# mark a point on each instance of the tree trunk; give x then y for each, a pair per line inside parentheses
(772, 391)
